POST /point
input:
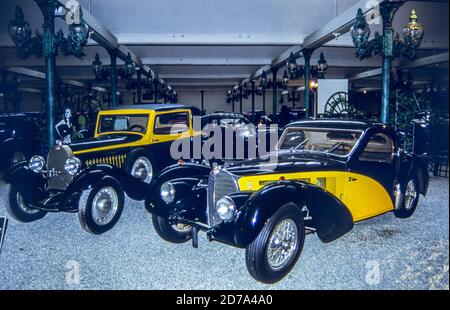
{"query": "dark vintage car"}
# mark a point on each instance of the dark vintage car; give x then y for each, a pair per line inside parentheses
(131, 144)
(18, 137)
(324, 176)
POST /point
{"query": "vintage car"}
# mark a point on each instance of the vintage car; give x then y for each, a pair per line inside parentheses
(131, 144)
(18, 138)
(324, 176)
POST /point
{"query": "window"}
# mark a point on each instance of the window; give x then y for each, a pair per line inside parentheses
(171, 123)
(379, 148)
(133, 123)
(331, 141)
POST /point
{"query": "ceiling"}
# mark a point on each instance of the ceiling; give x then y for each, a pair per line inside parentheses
(205, 44)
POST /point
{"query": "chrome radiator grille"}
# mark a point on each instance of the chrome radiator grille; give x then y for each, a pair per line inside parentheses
(116, 160)
(220, 183)
(56, 158)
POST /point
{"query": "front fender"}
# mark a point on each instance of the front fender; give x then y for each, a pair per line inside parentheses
(331, 218)
(133, 187)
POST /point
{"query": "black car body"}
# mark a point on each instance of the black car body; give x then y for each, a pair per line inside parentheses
(19, 138)
(345, 171)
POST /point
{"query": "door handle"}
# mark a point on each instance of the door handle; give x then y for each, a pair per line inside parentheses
(350, 179)
(155, 140)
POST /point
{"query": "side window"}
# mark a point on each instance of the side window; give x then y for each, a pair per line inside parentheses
(380, 148)
(171, 123)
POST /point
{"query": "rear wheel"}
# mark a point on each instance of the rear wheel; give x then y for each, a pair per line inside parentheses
(19, 210)
(100, 207)
(276, 249)
(407, 199)
(178, 233)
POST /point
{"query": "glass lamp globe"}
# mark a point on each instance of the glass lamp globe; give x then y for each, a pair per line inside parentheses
(413, 32)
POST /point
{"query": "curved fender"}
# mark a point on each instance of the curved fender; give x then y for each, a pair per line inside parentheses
(29, 183)
(182, 171)
(331, 217)
(413, 164)
(133, 187)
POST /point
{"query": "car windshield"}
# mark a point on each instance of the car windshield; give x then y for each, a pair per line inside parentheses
(131, 123)
(330, 141)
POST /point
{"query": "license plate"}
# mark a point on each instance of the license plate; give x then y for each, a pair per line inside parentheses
(3, 224)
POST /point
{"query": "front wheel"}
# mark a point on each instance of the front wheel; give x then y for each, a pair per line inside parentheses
(276, 249)
(100, 207)
(178, 233)
(407, 199)
(19, 210)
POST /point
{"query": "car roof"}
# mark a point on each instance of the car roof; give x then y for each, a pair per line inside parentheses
(336, 124)
(154, 107)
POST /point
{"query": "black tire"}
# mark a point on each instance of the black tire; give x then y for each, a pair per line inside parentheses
(18, 210)
(406, 208)
(256, 252)
(145, 157)
(86, 208)
(168, 232)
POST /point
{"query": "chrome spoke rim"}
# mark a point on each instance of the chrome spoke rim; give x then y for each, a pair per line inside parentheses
(142, 169)
(283, 242)
(105, 205)
(410, 194)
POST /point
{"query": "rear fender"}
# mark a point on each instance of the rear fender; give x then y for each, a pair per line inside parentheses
(331, 218)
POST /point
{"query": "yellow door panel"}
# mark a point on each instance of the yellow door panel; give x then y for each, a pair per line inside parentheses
(365, 197)
(331, 181)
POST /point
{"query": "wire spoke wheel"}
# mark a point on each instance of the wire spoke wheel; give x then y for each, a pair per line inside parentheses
(282, 243)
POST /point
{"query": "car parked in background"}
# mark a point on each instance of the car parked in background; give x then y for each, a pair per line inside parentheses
(19, 138)
(324, 176)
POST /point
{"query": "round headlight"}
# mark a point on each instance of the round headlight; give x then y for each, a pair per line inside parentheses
(72, 165)
(36, 163)
(225, 208)
(167, 192)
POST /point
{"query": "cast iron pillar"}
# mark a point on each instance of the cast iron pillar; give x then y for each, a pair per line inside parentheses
(202, 92)
(387, 10)
(232, 105)
(253, 98)
(155, 86)
(240, 99)
(113, 77)
(139, 87)
(49, 51)
(307, 56)
(264, 101)
(274, 91)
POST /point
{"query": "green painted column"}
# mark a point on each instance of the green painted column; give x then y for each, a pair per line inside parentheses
(240, 99)
(113, 78)
(307, 68)
(139, 87)
(387, 10)
(274, 91)
(49, 51)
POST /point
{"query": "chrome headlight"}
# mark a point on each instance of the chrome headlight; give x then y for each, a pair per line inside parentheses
(225, 208)
(36, 163)
(72, 165)
(167, 192)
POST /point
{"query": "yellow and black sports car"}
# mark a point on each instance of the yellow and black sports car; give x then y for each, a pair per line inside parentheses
(325, 176)
(131, 144)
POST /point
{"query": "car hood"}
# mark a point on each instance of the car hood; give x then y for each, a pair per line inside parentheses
(104, 140)
(286, 162)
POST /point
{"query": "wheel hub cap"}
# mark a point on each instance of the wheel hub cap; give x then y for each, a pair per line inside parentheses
(142, 169)
(105, 205)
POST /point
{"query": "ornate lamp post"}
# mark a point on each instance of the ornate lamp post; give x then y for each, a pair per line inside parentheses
(48, 44)
(296, 71)
(112, 72)
(387, 45)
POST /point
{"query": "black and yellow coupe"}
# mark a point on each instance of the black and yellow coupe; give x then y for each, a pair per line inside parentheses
(324, 176)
